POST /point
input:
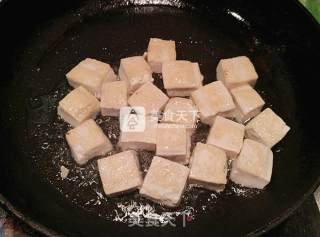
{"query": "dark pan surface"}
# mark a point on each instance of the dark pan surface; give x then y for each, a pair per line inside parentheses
(279, 38)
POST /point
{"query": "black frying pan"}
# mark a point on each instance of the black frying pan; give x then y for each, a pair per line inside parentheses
(41, 41)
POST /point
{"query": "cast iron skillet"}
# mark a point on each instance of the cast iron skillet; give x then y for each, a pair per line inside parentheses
(41, 41)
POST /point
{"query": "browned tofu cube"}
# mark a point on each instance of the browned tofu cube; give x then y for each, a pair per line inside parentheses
(160, 51)
(253, 167)
(173, 142)
(165, 182)
(145, 140)
(267, 128)
(91, 74)
(208, 167)
(135, 71)
(181, 111)
(238, 71)
(181, 77)
(150, 97)
(114, 96)
(87, 141)
(249, 103)
(211, 100)
(227, 135)
(120, 173)
(78, 106)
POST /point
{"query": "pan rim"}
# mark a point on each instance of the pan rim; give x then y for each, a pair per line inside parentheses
(49, 232)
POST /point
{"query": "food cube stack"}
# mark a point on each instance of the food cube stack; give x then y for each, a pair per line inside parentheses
(239, 132)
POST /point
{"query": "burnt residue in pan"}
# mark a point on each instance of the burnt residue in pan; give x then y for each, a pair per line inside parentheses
(108, 38)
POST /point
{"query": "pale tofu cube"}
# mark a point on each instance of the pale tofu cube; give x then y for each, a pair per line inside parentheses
(114, 96)
(145, 140)
(253, 167)
(181, 77)
(249, 103)
(226, 135)
(165, 182)
(91, 74)
(103, 69)
(87, 141)
(180, 111)
(145, 55)
(150, 97)
(179, 92)
(238, 71)
(208, 167)
(187, 160)
(173, 142)
(120, 173)
(211, 100)
(160, 51)
(78, 106)
(267, 128)
(135, 71)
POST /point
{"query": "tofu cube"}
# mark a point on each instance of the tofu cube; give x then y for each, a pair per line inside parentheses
(103, 69)
(150, 97)
(87, 141)
(253, 167)
(120, 173)
(267, 128)
(181, 77)
(249, 103)
(181, 111)
(91, 73)
(179, 92)
(226, 135)
(238, 71)
(173, 142)
(114, 96)
(145, 140)
(78, 106)
(135, 71)
(211, 100)
(165, 182)
(208, 167)
(160, 51)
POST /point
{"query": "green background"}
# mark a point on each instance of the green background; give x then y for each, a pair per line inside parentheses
(313, 6)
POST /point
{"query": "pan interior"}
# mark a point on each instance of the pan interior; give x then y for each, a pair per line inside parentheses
(114, 34)
(110, 37)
